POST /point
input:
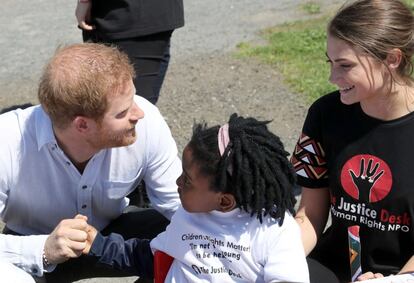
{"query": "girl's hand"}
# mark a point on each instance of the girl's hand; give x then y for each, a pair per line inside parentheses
(92, 232)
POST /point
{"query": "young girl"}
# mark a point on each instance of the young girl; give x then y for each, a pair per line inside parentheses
(354, 156)
(235, 224)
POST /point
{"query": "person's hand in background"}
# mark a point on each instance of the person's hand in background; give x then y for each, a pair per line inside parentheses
(83, 14)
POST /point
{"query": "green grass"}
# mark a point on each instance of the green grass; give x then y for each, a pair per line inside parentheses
(312, 7)
(410, 3)
(297, 50)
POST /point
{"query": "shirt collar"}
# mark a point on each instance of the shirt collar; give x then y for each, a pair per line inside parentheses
(231, 213)
(44, 129)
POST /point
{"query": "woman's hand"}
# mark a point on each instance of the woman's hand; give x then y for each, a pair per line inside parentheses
(369, 275)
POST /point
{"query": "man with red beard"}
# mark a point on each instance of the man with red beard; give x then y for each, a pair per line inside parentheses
(88, 145)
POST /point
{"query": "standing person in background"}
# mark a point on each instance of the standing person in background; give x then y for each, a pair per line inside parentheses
(142, 29)
(355, 153)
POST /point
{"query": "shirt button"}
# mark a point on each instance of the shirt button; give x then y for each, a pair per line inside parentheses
(67, 162)
(84, 206)
(34, 270)
(84, 187)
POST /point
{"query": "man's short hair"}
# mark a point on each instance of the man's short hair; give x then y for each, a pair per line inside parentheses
(79, 78)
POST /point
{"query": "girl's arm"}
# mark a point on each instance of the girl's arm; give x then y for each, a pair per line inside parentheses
(133, 255)
(312, 215)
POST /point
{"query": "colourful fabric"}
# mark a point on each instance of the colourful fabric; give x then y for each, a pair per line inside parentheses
(354, 252)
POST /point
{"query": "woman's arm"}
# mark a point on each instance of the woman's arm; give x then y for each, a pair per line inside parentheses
(408, 267)
(312, 215)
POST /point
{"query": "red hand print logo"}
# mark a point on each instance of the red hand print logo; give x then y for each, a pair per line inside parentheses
(366, 178)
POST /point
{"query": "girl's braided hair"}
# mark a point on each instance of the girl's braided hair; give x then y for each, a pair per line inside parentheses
(254, 166)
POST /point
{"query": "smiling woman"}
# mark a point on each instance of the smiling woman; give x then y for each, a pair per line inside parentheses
(359, 77)
(355, 146)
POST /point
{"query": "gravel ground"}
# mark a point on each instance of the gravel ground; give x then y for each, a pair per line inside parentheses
(204, 82)
(203, 75)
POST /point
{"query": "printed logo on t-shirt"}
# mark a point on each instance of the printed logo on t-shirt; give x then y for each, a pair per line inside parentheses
(216, 256)
(308, 159)
(368, 179)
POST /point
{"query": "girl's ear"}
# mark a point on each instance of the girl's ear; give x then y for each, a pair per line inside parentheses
(393, 59)
(227, 202)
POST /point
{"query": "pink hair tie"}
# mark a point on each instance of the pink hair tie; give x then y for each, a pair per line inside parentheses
(223, 138)
(223, 141)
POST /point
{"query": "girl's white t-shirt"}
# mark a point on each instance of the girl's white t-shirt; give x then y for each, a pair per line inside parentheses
(232, 247)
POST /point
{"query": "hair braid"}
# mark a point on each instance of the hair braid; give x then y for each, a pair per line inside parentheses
(254, 167)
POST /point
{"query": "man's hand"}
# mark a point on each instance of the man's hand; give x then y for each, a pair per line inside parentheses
(91, 237)
(68, 240)
(369, 275)
(83, 15)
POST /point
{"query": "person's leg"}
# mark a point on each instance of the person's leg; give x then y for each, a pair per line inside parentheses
(320, 273)
(14, 107)
(163, 70)
(331, 253)
(135, 223)
(150, 57)
(91, 36)
(11, 273)
(139, 197)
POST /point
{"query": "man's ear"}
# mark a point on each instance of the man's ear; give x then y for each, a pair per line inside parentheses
(393, 59)
(227, 202)
(81, 124)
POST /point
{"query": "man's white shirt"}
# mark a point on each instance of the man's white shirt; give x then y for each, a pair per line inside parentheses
(39, 185)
